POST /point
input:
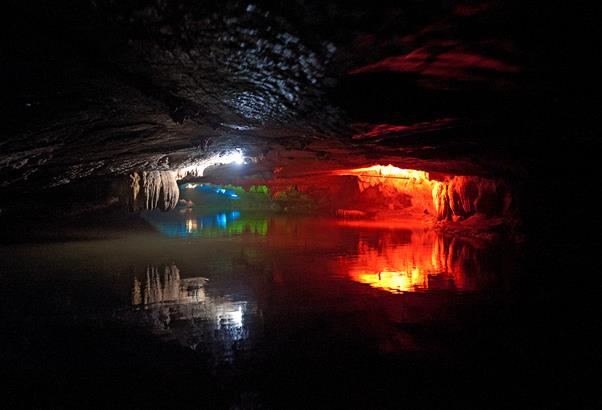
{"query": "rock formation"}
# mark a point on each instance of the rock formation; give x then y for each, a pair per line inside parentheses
(460, 197)
(149, 190)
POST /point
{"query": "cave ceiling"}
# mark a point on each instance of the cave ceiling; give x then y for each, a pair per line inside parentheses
(102, 88)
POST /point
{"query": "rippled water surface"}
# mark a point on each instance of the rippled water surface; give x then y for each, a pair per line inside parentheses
(255, 307)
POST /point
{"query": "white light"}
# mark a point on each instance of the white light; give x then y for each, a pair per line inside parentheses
(233, 156)
(229, 315)
(237, 317)
(198, 169)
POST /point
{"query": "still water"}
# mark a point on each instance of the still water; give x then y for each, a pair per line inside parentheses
(254, 308)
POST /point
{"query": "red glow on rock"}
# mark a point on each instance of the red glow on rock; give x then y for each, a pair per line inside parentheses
(451, 62)
(469, 10)
(384, 171)
(371, 131)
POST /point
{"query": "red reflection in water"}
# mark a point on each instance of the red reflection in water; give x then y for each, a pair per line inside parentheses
(381, 278)
(427, 261)
(392, 255)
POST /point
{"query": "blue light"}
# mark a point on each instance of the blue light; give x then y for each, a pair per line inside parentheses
(217, 190)
(221, 220)
(185, 225)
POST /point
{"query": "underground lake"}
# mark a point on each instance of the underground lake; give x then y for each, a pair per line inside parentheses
(299, 204)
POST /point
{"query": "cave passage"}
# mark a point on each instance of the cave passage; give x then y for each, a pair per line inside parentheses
(299, 204)
(206, 280)
(475, 206)
(236, 280)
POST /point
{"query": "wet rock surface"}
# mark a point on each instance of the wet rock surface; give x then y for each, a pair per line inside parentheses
(105, 88)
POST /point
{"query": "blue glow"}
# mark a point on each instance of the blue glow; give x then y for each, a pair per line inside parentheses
(221, 220)
(184, 226)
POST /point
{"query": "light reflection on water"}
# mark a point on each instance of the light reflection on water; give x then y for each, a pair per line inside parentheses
(182, 309)
(211, 283)
(307, 255)
(426, 261)
(188, 224)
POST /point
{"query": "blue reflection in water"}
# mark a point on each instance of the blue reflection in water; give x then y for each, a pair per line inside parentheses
(221, 220)
(178, 225)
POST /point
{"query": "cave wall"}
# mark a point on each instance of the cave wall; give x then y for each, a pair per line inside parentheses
(442, 197)
(461, 197)
(411, 195)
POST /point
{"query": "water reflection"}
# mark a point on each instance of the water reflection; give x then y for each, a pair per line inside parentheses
(183, 309)
(287, 281)
(392, 258)
(167, 288)
(223, 223)
(389, 257)
(425, 260)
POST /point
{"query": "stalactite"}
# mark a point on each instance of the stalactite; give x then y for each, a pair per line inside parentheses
(135, 185)
(151, 190)
(136, 293)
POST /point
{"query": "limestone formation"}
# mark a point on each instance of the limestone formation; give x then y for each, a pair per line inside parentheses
(151, 190)
(460, 197)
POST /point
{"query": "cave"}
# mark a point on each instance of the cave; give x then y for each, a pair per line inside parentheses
(302, 204)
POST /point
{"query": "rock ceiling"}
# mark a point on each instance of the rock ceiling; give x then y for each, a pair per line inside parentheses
(107, 87)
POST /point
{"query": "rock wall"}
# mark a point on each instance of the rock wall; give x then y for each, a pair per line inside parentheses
(461, 197)
(410, 194)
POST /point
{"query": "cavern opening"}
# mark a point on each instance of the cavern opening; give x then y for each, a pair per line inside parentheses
(482, 207)
(301, 204)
